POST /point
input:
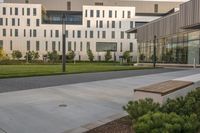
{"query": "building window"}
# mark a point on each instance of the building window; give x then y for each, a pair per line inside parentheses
(45, 33)
(28, 22)
(1, 44)
(101, 24)
(108, 23)
(37, 45)
(66, 33)
(98, 34)
(11, 45)
(18, 22)
(113, 24)
(113, 34)
(86, 34)
(34, 33)
(53, 46)
(88, 23)
(88, 46)
(131, 47)
(121, 47)
(115, 14)
(69, 46)
(138, 24)
(4, 32)
(103, 34)
(156, 8)
(57, 33)
(11, 11)
(59, 46)
(103, 13)
(97, 24)
(51, 33)
(98, 3)
(81, 46)
(69, 5)
(110, 14)
(131, 24)
(86, 12)
(22, 11)
(120, 24)
(123, 14)
(91, 13)
(46, 45)
(91, 34)
(34, 11)
(11, 33)
(24, 32)
(74, 46)
(28, 45)
(13, 22)
(28, 12)
(16, 11)
(73, 34)
(129, 14)
(16, 32)
(37, 22)
(98, 13)
(30, 33)
(79, 34)
(4, 11)
(106, 46)
(6, 21)
(122, 35)
(128, 35)
(1, 21)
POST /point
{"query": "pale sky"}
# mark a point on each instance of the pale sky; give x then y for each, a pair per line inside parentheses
(1, 0)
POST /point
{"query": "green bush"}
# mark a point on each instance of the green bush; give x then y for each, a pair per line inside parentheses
(166, 123)
(90, 55)
(16, 54)
(71, 55)
(53, 56)
(31, 55)
(126, 56)
(108, 56)
(139, 108)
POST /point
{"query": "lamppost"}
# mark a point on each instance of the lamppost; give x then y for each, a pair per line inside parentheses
(63, 43)
(154, 52)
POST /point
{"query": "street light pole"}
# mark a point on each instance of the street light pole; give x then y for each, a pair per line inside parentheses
(63, 44)
(154, 52)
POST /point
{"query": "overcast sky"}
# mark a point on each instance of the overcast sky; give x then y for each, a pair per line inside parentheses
(1, 0)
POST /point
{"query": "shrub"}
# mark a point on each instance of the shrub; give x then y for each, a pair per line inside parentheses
(166, 123)
(139, 108)
(71, 55)
(90, 55)
(108, 56)
(31, 55)
(142, 57)
(3, 55)
(53, 56)
(126, 56)
(16, 54)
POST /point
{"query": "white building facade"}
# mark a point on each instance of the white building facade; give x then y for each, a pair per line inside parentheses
(103, 28)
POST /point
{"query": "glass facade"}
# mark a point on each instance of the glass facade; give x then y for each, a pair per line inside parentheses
(183, 48)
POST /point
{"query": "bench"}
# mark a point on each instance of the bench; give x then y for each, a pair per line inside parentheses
(160, 92)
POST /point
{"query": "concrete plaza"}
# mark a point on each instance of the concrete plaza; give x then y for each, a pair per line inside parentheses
(61, 108)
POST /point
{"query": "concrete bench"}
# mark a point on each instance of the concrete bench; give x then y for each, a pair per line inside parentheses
(170, 89)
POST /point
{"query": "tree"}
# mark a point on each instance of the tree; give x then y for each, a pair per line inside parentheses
(90, 55)
(126, 56)
(3, 55)
(16, 54)
(108, 56)
(142, 57)
(31, 55)
(71, 55)
(53, 56)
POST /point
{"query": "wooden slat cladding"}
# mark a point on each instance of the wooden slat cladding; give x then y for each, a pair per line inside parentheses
(186, 17)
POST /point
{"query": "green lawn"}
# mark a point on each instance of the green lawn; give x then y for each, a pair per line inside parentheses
(7, 71)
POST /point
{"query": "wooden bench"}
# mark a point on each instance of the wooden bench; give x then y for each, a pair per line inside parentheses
(162, 91)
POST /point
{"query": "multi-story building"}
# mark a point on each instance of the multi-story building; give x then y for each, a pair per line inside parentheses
(174, 38)
(28, 27)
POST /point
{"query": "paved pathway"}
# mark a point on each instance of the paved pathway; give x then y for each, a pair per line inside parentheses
(16, 84)
(38, 111)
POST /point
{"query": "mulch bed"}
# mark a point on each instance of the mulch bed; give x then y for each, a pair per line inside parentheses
(122, 125)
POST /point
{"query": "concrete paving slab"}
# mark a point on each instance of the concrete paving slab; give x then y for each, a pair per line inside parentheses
(39, 110)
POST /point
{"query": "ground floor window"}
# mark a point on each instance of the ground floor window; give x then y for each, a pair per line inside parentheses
(183, 48)
(106, 46)
(1, 44)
